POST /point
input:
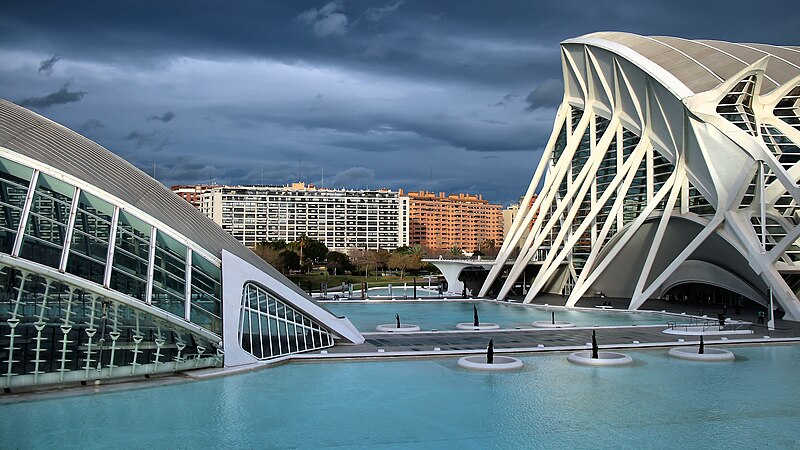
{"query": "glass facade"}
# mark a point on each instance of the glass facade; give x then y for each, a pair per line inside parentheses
(53, 332)
(270, 327)
(643, 187)
(77, 232)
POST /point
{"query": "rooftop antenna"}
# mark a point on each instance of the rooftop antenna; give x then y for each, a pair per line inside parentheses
(323, 178)
(300, 170)
(154, 170)
(262, 174)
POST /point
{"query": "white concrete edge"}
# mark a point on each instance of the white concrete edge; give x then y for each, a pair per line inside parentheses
(534, 350)
(236, 272)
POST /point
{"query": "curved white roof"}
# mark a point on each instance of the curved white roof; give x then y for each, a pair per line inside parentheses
(703, 64)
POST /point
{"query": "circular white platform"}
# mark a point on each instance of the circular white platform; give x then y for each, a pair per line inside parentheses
(478, 362)
(604, 358)
(709, 354)
(471, 326)
(550, 324)
(392, 327)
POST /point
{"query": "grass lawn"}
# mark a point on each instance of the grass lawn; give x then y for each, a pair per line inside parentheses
(314, 279)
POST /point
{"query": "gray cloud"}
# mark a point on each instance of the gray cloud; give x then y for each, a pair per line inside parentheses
(154, 140)
(423, 81)
(89, 125)
(328, 20)
(354, 176)
(46, 66)
(60, 97)
(548, 93)
(166, 117)
(506, 99)
(374, 14)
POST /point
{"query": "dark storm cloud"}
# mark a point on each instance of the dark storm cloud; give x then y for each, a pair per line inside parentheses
(166, 117)
(426, 89)
(89, 125)
(354, 175)
(506, 100)
(60, 97)
(46, 66)
(154, 140)
(547, 94)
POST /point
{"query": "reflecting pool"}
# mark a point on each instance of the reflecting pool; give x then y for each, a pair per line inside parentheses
(753, 402)
(444, 315)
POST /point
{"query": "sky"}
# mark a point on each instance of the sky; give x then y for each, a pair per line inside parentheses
(453, 96)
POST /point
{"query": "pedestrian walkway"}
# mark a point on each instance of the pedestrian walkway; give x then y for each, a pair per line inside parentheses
(537, 340)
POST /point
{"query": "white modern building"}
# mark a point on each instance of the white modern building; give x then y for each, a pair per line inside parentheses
(104, 273)
(341, 219)
(671, 161)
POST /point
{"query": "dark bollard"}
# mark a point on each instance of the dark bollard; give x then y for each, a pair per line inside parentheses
(553, 317)
(702, 346)
(475, 320)
(594, 346)
(490, 352)
(397, 318)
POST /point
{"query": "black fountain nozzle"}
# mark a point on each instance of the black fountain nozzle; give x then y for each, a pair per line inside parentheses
(490, 352)
(475, 320)
(594, 346)
(553, 317)
(702, 349)
(397, 318)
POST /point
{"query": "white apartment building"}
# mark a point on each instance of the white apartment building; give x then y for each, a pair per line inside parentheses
(341, 219)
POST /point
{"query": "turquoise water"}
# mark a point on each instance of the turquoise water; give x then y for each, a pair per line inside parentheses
(659, 402)
(446, 314)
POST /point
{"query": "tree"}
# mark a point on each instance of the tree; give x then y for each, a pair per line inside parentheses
(290, 260)
(489, 248)
(403, 262)
(338, 261)
(278, 244)
(381, 258)
(455, 252)
(269, 254)
(365, 259)
(308, 249)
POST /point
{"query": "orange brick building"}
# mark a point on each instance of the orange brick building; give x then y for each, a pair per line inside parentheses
(191, 193)
(442, 222)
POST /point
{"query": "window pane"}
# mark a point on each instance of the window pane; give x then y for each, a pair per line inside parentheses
(169, 275)
(14, 182)
(131, 256)
(46, 229)
(89, 245)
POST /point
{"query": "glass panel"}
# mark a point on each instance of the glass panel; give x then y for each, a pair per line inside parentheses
(89, 246)
(131, 255)
(169, 275)
(46, 229)
(14, 182)
(206, 293)
(277, 327)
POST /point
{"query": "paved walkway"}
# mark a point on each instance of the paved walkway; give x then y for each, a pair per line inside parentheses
(539, 340)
